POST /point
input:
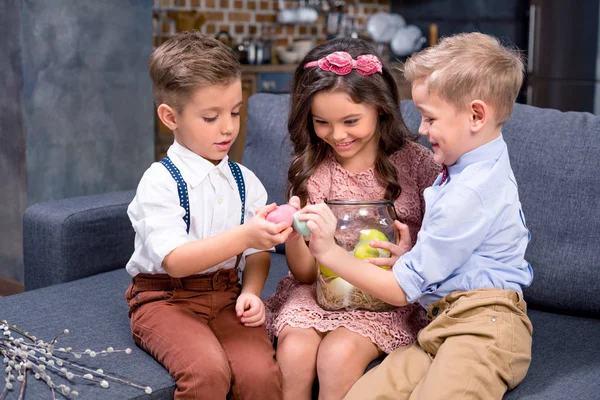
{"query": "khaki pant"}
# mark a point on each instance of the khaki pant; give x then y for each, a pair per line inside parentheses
(477, 346)
(189, 325)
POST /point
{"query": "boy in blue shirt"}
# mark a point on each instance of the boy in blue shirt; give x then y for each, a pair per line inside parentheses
(467, 267)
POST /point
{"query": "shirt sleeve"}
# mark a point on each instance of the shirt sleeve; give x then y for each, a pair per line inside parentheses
(156, 215)
(453, 228)
(256, 198)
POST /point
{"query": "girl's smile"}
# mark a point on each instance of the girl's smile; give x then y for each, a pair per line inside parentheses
(345, 145)
(349, 128)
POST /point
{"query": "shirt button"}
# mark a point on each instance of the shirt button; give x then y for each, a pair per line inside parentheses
(220, 200)
(137, 297)
(435, 311)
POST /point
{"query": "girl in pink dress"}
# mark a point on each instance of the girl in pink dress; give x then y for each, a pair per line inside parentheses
(349, 142)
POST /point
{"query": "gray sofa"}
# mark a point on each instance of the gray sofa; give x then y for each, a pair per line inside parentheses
(75, 251)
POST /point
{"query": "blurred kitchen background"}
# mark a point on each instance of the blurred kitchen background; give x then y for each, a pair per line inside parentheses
(270, 37)
(78, 117)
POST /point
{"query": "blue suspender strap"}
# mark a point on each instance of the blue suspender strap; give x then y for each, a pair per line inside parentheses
(181, 189)
(183, 192)
(239, 179)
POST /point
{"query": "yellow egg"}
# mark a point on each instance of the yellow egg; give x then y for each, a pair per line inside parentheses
(366, 235)
(326, 271)
(363, 250)
(384, 253)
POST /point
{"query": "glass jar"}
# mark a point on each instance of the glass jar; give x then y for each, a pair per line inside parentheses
(358, 222)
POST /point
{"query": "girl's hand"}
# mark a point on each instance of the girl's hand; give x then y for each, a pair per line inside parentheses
(250, 310)
(322, 224)
(294, 202)
(263, 234)
(396, 250)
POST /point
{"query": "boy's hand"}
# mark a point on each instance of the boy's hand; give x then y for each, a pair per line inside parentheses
(396, 250)
(322, 224)
(264, 234)
(250, 309)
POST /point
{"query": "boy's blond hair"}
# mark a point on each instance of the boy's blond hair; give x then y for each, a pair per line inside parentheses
(187, 61)
(469, 66)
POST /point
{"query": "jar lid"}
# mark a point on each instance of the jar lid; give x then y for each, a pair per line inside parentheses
(356, 202)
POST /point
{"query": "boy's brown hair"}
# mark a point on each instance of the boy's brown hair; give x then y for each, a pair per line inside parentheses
(469, 66)
(187, 61)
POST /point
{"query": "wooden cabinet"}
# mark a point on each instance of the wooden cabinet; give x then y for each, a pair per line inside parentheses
(9, 286)
(248, 89)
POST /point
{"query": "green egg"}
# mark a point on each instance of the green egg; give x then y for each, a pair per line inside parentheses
(300, 226)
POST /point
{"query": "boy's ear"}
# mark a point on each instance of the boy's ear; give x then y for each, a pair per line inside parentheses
(167, 116)
(479, 115)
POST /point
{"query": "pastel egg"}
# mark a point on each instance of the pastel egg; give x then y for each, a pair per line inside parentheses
(283, 213)
(300, 226)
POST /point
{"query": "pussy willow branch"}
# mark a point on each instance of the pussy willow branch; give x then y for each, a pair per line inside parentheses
(40, 358)
(23, 382)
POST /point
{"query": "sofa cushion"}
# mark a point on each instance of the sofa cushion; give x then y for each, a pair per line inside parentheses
(95, 312)
(564, 361)
(279, 270)
(267, 149)
(555, 158)
(564, 365)
(82, 236)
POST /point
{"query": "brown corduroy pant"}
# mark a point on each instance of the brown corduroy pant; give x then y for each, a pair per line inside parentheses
(189, 325)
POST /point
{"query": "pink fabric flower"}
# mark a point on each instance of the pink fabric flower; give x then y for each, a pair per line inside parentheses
(368, 64)
(341, 63)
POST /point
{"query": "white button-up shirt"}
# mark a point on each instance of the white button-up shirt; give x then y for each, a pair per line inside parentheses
(214, 201)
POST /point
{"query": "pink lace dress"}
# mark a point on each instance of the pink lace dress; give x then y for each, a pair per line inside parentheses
(295, 304)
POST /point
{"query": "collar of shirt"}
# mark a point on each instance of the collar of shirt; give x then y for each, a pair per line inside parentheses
(194, 168)
(489, 151)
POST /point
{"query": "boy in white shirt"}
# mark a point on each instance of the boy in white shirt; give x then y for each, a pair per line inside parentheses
(198, 218)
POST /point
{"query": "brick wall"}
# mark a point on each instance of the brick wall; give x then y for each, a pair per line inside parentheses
(243, 18)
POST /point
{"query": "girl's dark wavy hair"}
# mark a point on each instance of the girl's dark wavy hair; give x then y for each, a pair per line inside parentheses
(378, 90)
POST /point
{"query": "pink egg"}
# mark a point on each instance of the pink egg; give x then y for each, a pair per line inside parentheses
(283, 213)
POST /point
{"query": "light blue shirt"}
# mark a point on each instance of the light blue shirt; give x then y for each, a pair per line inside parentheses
(473, 234)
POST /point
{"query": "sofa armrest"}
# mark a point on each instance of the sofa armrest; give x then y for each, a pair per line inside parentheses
(69, 239)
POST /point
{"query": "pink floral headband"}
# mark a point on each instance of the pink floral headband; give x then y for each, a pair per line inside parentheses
(342, 63)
